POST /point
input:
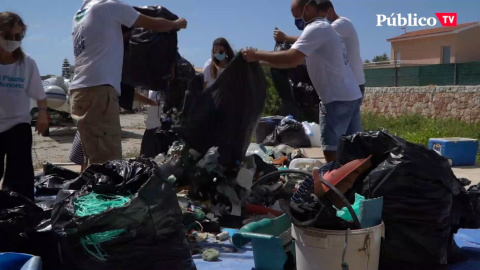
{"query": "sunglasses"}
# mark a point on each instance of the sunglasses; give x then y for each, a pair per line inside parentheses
(16, 37)
(219, 52)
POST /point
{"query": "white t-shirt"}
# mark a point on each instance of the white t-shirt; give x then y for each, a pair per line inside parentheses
(19, 82)
(154, 113)
(98, 42)
(208, 75)
(327, 63)
(344, 27)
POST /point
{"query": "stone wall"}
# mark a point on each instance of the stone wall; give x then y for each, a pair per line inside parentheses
(455, 102)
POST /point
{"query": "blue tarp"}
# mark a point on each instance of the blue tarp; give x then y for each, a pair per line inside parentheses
(467, 240)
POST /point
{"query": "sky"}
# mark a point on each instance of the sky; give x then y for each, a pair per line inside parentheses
(245, 23)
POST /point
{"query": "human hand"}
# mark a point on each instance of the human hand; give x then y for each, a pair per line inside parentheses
(249, 54)
(42, 122)
(181, 23)
(279, 36)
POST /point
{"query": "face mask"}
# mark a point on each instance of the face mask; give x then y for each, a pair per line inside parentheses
(220, 56)
(300, 22)
(9, 45)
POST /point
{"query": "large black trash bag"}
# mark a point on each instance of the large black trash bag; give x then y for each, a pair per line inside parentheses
(18, 216)
(417, 186)
(153, 237)
(295, 89)
(50, 169)
(175, 93)
(225, 114)
(149, 56)
(290, 133)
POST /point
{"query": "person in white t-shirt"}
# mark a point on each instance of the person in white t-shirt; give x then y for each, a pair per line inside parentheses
(19, 82)
(222, 54)
(98, 49)
(344, 27)
(150, 146)
(325, 55)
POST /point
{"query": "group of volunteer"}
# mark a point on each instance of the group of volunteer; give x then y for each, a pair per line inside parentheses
(328, 45)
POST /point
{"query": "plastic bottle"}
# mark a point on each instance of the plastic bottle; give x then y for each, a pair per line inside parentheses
(286, 119)
(256, 149)
(308, 129)
(160, 159)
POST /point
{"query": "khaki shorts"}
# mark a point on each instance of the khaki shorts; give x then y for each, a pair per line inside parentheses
(97, 114)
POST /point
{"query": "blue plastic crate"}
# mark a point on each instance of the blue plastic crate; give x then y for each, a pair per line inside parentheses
(462, 151)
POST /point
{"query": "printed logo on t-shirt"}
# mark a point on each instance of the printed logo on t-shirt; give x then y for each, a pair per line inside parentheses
(78, 46)
(12, 82)
(80, 14)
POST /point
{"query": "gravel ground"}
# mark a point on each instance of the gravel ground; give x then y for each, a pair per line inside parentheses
(56, 147)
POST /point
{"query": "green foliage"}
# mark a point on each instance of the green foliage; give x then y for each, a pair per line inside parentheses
(380, 58)
(419, 129)
(273, 102)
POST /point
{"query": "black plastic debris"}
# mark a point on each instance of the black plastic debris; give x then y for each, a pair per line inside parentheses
(225, 115)
(295, 89)
(290, 133)
(150, 56)
(18, 216)
(418, 190)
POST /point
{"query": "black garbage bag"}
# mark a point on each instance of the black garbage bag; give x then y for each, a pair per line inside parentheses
(149, 56)
(18, 216)
(226, 114)
(417, 186)
(295, 89)
(466, 206)
(50, 169)
(151, 232)
(175, 93)
(290, 133)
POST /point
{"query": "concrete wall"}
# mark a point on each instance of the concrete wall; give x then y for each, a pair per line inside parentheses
(455, 102)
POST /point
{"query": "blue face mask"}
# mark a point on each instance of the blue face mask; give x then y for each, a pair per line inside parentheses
(300, 23)
(220, 56)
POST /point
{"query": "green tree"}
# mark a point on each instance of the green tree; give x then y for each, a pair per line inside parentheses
(272, 102)
(366, 61)
(381, 58)
(66, 68)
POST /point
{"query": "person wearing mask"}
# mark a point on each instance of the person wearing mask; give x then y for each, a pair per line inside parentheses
(98, 50)
(19, 82)
(322, 49)
(344, 27)
(222, 54)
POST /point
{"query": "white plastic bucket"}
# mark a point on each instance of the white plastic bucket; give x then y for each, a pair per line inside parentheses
(323, 249)
(302, 163)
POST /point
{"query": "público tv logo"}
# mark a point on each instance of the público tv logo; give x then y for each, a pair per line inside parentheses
(412, 20)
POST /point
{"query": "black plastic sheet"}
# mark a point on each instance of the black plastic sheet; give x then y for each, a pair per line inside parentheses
(149, 56)
(290, 133)
(295, 89)
(226, 114)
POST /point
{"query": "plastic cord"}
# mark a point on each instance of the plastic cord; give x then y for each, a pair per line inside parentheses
(93, 204)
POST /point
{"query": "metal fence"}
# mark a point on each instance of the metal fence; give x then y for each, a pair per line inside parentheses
(445, 74)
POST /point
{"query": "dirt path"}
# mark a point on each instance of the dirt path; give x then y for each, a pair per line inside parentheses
(56, 148)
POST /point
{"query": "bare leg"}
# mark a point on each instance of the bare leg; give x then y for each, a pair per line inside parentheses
(330, 155)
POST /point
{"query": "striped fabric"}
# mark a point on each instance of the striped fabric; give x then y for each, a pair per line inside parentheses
(76, 155)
